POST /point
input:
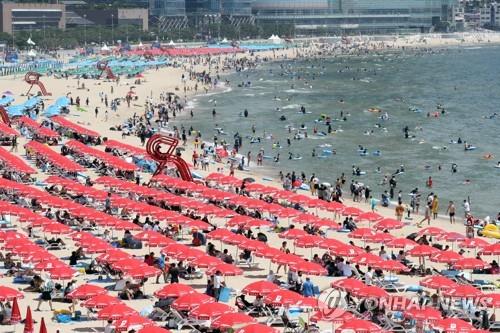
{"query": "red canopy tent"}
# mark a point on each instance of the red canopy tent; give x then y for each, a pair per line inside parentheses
(11, 162)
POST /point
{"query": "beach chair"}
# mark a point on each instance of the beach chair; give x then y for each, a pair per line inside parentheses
(275, 316)
(495, 326)
(391, 326)
(390, 286)
(182, 321)
(290, 326)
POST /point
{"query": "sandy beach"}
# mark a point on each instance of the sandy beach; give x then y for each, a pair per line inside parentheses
(170, 80)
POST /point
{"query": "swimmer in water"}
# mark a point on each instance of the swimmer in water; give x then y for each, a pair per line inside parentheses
(314, 153)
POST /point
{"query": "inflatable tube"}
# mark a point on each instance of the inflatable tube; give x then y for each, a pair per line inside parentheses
(471, 148)
(374, 110)
(266, 157)
(297, 158)
(307, 112)
(267, 179)
(362, 173)
(304, 187)
(497, 166)
(196, 175)
(377, 153)
(363, 154)
(327, 152)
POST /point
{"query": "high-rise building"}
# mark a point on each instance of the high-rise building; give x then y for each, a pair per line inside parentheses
(168, 14)
(27, 16)
(366, 16)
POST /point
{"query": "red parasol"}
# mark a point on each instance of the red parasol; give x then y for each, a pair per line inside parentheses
(286, 259)
(348, 284)
(389, 224)
(453, 325)
(101, 301)
(308, 267)
(431, 231)
(191, 301)
(307, 241)
(361, 233)
(283, 298)
(401, 243)
(174, 290)
(206, 261)
(220, 234)
(492, 249)
(115, 312)
(210, 311)
(293, 234)
(369, 216)
(62, 273)
(153, 329)
(224, 269)
(359, 326)
(366, 259)
(333, 315)
(306, 218)
(142, 272)
(380, 237)
(257, 328)
(462, 291)
(229, 320)
(446, 257)
(86, 291)
(424, 313)
(43, 328)
(346, 251)
(452, 236)
(423, 251)
(28, 322)
(437, 282)
(371, 291)
(9, 294)
(491, 300)
(352, 211)
(391, 266)
(470, 263)
(15, 316)
(472, 243)
(260, 288)
(131, 322)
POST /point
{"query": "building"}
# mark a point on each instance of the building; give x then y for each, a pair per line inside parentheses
(112, 17)
(168, 14)
(234, 12)
(490, 15)
(31, 16)
(360, 16)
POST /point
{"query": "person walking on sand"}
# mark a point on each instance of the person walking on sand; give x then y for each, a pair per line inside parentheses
(451, 212)
(400, 210)
(96, 111)
(435, 207)
(427, 216)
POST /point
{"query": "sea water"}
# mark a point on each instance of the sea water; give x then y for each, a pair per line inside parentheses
(408, 86)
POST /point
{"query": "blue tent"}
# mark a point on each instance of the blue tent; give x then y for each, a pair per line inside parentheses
(52, 111)
(15, 110)
(6, 100)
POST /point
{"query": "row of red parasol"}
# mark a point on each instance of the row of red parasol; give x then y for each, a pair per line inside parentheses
(124, 147)
(63, 122)
(71, 207)
(37, 128)
(42, 260)
(51, 156)
(110, 160)
(186, 52)
(6, 130)
(132, 205)
(14, 163)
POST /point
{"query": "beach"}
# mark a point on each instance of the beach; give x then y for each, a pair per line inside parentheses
(192, 95)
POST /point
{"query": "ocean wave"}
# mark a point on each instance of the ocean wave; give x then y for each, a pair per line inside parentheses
(295, 91)
(291, 106)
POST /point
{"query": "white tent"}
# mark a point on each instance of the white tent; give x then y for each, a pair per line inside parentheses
(30, 42)
(140, 44)
(32, 53)
(225, 41)
(171, 43)
(275, 39)
(104, 48)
